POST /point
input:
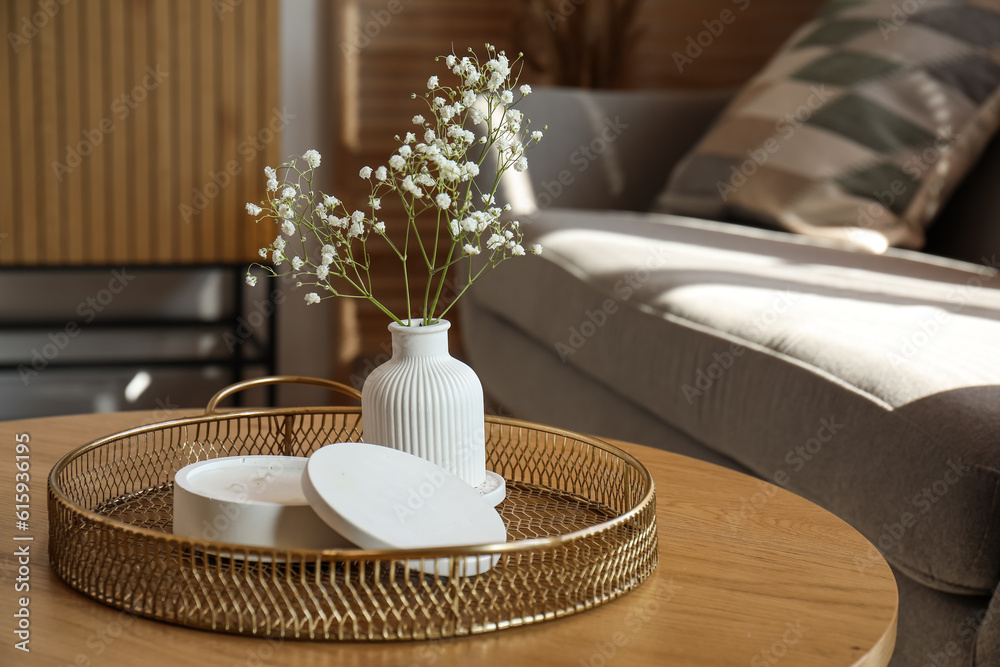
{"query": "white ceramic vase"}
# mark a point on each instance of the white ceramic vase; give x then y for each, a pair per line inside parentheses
(425, 402)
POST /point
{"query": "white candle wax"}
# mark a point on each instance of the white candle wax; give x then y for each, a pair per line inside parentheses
(252, 500)
(239, 480)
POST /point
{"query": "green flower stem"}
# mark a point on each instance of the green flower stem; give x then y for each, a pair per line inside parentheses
(424, 170)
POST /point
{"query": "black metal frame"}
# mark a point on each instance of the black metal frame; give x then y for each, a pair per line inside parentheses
(238, 362)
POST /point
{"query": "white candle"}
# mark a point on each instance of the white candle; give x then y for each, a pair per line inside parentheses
(252, 500)
(240, 480)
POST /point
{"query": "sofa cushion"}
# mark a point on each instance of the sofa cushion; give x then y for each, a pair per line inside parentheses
(858, 129)
(870, 384)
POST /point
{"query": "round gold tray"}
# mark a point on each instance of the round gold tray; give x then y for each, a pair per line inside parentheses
(580, 517)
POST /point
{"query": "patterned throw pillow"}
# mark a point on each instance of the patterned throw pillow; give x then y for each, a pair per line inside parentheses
(858, 129)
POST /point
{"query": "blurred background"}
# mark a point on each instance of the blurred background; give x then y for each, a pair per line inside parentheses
(133, 132)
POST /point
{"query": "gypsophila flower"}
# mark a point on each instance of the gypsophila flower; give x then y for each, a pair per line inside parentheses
(431, 172)
(536, 249)
(408, 185)
(312, 158)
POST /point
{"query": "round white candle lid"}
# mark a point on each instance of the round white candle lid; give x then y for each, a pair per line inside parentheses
(383, 498)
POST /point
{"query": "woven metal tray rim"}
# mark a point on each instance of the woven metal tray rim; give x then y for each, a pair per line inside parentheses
(356, 554)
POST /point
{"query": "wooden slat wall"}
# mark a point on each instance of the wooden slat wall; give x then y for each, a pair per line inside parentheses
(102, 163)
(757, 29)
(371, 79)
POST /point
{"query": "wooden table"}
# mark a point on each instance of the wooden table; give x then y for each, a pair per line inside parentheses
(749, 574)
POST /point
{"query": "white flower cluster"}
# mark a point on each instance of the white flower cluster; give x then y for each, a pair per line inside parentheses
(432, 173)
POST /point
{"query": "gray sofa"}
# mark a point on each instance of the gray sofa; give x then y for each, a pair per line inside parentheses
(869, 384)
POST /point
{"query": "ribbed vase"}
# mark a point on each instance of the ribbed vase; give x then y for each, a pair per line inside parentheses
(426, 402)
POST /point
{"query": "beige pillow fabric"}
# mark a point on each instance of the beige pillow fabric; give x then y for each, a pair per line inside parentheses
(858, 129)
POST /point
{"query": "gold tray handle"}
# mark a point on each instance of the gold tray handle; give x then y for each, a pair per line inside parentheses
(338, 387)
